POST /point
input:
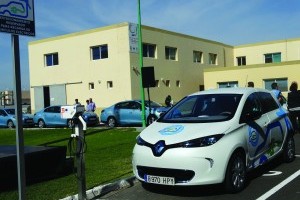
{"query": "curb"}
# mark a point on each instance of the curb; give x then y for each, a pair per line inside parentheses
(104, 189)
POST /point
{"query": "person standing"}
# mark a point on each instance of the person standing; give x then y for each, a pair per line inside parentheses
(251, 84)
(169, 101)
(91, 105)
(87, 105)
(77, 102)
(293, 103)
(277, 93)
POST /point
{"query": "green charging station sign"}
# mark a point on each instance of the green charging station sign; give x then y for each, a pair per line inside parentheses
(17, 17)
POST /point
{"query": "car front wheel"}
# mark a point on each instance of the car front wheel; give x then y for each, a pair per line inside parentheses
(111, 122)
(41, 124)
(235, 178)
(10, 124)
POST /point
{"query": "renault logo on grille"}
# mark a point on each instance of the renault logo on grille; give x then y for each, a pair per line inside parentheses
(159, 148)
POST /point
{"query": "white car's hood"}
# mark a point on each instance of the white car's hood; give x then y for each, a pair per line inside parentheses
(173, 133)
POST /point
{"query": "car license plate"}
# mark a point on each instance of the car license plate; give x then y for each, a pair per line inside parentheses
(92, 118)
(160, 180)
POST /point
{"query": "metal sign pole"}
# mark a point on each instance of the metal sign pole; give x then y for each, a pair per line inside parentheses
(19, 125)
(141, 65)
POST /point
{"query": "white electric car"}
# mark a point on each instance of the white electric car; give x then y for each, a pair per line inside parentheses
(214, 136)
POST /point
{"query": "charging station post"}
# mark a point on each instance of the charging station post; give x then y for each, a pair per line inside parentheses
(74, 113)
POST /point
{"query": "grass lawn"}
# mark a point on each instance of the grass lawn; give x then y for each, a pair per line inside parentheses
(107, 159)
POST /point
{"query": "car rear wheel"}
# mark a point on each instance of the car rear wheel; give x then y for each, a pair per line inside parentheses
(10, 124)
(289, 149)
(235, 178)
(41, 124)
(111, 122)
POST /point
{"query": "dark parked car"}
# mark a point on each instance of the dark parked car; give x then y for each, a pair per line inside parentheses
(8, 118)
(51, 117)
(130, 113)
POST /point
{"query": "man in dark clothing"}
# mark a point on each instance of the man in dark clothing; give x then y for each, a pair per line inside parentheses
(293, 102)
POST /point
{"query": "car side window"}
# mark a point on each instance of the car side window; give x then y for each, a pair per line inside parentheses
(251, 105)
(268, 102)
(135, 105)
(123, 105)
(56, 109)
(2, 113)
(47, 110)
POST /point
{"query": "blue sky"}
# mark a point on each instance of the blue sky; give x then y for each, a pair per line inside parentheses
(232, 22)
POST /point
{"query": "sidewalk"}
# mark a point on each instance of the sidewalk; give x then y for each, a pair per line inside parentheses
(101, 190)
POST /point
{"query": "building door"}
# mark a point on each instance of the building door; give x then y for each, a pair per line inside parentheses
(46, 96)
(58, 95)
(38, 98)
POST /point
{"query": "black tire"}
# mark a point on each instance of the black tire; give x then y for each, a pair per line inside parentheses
(235, 178)
(151, 119)
(41, 123)
(111, 122)
(10, 124)
(289, 149)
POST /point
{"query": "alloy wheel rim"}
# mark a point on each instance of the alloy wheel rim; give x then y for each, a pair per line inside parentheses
(238, 173)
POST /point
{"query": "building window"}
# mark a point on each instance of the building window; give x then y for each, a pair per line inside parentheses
(99, 52)
(201, 87)
(167, 83)
(170, 53)
(51, 59)
(273, 58)
(91, 86)
(109, 84)
(178, 83)
(212, 59)
(149, 50)
(197, 56)
(241, 60)
(281, 82)
(156, 83)
(228, 84)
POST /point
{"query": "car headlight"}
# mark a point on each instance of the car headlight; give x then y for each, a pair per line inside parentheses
(140, 141)
(203, 141)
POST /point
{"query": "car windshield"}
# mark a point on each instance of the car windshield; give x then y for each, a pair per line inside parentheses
(203, 108)
(10, 111)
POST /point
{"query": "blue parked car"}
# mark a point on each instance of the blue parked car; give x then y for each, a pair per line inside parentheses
(130, 113)
(8, 118)
(51, 117)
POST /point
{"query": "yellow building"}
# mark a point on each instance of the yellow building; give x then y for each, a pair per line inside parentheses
(103, 64)
(262, 63)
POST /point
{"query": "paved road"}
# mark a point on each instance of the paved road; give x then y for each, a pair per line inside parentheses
(276, 181)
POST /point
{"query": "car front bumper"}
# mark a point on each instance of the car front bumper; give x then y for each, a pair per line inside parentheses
(189, 166)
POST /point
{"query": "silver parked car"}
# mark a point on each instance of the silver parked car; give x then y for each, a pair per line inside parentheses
(51, 117)
(130, 113)
(8, 118)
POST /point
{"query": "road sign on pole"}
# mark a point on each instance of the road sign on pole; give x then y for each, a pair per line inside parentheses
(17, 17)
